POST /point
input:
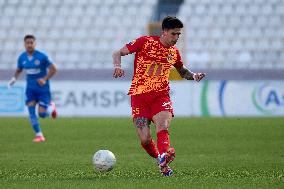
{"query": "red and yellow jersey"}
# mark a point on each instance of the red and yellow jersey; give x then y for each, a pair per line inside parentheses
(152, 64)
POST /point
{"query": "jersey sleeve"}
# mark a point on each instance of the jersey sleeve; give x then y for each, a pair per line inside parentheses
(179, 62)
(19, 63)
(136, 45)
(47, 61)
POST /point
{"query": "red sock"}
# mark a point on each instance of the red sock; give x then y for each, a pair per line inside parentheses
(151, 149)
(163, 141)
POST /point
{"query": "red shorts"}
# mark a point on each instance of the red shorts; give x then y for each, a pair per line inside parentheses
(149, 104)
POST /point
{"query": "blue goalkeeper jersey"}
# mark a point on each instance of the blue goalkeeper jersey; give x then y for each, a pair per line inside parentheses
(36, 67)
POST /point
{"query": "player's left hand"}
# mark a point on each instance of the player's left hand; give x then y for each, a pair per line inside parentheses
(41, 82)
(198, 76)
(118, 72)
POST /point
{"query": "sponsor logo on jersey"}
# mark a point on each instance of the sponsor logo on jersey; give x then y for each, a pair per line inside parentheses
(33, 71)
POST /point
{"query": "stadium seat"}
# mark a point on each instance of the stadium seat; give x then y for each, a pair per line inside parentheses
(235, 33)
(218, 34)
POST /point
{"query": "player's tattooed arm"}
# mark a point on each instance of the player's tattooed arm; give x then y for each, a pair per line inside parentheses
(189, 75)
(185, 73)
(116, 56)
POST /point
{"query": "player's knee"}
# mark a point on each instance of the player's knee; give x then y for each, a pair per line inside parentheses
(42, 114)
(142, 122)
(162, 121)
(162, 126)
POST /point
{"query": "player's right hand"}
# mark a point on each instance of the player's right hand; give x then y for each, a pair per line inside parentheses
(118, 72)
(11, 82)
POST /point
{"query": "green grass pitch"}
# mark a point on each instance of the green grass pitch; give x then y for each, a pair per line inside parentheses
(210, 153)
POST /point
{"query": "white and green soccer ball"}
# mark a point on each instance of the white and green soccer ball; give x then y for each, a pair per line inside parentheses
(103, 160)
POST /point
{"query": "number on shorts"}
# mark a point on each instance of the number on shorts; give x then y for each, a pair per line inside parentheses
(135, 111)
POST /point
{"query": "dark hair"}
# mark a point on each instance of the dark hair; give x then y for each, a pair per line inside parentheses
(29, 37)
(171, 22)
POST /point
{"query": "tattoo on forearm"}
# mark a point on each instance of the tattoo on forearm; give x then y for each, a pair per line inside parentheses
(142, 122)
(185, 73)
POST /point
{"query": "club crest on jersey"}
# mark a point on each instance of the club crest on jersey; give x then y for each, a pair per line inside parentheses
(171, 56)
(37, 62)
(24, 62)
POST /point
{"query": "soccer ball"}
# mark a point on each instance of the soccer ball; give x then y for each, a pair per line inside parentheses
(104, 160)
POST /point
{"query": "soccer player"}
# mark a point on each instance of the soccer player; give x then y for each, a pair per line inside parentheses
(149, 91)
(39, 69)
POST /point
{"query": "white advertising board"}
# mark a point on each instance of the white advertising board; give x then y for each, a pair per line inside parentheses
(241, 98)
(106, 98)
